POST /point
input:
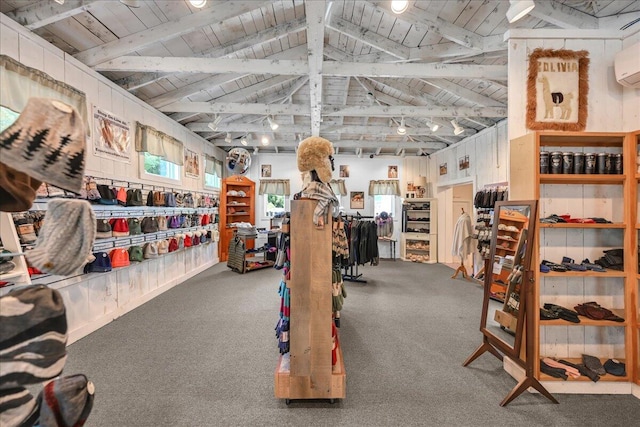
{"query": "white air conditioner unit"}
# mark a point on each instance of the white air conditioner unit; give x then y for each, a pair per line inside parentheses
(627, 66)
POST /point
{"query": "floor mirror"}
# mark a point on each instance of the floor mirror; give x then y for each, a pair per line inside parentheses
(508, 292)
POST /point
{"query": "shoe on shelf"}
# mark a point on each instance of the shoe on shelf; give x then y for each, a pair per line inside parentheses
(555, 267)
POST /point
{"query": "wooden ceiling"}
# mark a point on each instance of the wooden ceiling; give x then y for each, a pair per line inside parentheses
(349, 71)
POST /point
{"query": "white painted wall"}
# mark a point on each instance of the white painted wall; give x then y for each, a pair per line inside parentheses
(96, 299)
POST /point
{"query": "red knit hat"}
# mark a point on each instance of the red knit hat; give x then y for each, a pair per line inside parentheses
(119, 227)
(119, 258)
(205, 219)
(121, 196)
(188, 242)
(173, 245)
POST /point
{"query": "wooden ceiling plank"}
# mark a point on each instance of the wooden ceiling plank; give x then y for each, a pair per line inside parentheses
(314, 12)
(563, 16)
(166, 31)
(47, 12)
(411, 70)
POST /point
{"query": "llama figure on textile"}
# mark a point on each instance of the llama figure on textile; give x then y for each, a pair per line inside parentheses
(555, 99)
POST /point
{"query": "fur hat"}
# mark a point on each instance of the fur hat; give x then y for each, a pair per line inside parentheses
(66, 237)
(314, 154)
(17, 189)
(47, 142)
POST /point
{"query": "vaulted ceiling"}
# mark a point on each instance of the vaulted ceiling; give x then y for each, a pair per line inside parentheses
(349, 71)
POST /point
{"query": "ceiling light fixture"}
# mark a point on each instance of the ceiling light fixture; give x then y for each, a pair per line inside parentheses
(228, 138)
(130, 3)
(214, 124)
(198, 3)
(402, 153)
(399, 6)
(457, 129)
(402, 130)
(265, 140)
(518, 9)
(255, 150)
(272, 123)
(60, 1)
(243, 141)
(433, 126)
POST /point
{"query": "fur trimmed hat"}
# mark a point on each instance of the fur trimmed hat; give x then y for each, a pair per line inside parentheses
(47, 142)
(314, 154)
(17, 189)
(66, 238)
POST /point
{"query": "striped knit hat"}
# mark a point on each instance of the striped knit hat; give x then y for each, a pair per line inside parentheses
(18, 407)
(66, 237)
(33, 336)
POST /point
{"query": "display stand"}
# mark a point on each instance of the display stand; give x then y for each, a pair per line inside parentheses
(461, 269)
(237, 204)
(310, 374)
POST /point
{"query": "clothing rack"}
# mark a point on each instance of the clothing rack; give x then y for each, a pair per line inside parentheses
(349, 274)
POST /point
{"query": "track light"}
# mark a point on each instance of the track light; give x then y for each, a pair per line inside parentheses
(402, 153)
(198, 3)
(255, 150)
(228, 138)
(433, 126)
(402, 130)
(60, 1)
(214, 124)
(265, 140)
(420, 152)
(457, 130)
(272, 123)
(399, 6)
(243, 141)
(130, 3)
(518, 9)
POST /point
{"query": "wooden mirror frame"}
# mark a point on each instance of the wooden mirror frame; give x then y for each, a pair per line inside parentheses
(526, 313)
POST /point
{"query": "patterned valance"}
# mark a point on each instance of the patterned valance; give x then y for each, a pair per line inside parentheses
(338, 186)
(152, 141)
(384, 187)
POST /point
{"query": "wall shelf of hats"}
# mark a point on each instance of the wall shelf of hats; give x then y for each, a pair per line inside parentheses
(237, 208)
(586, 275)
(419, 237)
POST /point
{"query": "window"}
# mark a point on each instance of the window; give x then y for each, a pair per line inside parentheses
(7, 117)
(274, 204)
(384, 204)
(156, 165)
(212, 172)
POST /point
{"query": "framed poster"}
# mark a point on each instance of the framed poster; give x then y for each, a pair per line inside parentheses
(557, 89)
(191, 163)
(357, 200)
(344, 171)
(392, 172)
(463, 162)
(443, 169)
(265, 171)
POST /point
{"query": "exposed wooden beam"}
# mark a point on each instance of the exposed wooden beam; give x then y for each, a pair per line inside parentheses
(563, 16)
(232, 48)
(369, 145)
(47, 12)
(234, 107)
(314, 12)
(167, 31)
(409, 70)
(368, 37)
(203, 65)
(464, 93)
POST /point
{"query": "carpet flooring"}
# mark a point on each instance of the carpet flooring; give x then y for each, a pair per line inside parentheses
(204, 354)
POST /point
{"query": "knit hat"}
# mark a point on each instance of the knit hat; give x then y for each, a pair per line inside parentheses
(188, 241)
(47, 142)
(151, 250)
(314, 153)
(120, 227)
(593, 363)
(66, 237)
(134, 197)
(119, 258)
(103, 229)
(33, 336)
(135, 254)
(66, 401)
(135, 227)
(19, 407)
(121, 196)
(196, 238)
(162, 223)
(17, 189)
(163, 246)
(150, 225)
(101, 264)
(173, 245)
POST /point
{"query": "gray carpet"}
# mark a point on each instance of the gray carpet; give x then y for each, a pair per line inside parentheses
(204, 354)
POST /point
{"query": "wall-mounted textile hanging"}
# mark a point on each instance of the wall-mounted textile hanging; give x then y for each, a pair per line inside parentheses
(111, 136)
(557, 90)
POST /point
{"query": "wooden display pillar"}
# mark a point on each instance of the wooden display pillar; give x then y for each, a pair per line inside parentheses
(311, 375)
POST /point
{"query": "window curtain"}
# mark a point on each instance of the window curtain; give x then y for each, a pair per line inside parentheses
(338, 187)
(19, 83)
(279, 187)
(152, 141)
(213, 166)
(386, 187)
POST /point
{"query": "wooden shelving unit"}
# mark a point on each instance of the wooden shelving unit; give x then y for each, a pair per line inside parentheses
(228, 205)
(611, 196)
(311, 374)
(634, 193)
(419, 238)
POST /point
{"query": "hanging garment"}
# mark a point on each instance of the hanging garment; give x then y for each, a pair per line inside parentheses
(462, 240)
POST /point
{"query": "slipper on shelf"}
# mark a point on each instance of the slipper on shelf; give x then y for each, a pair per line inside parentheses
(571, 265)
(593, 267)
(555, 267)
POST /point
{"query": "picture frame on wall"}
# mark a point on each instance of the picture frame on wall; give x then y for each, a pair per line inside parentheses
(265, 171)
(191, 163)
(557, 90)
(344, 171)
(443, 169)
(463, 162)
(392, 173)
(357, 200)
